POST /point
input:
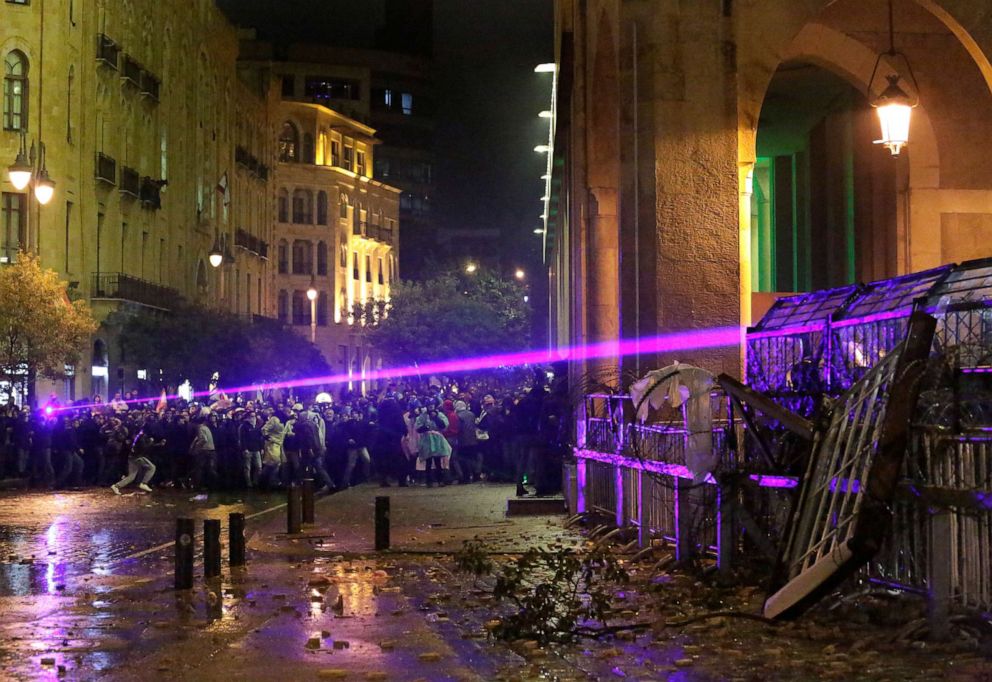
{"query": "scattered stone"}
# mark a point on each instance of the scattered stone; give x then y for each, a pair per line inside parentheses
(387, 645)
(47, 660)
(314, 642)
(376, 675)
(340, 644)
(683, 662)
(332, 674)
(429, 657)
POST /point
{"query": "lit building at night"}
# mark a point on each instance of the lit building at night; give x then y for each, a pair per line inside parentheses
(709, 157)
(158, 153)
(336, 232)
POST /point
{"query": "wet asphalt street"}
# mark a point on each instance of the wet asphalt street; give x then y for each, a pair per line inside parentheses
(47, 538)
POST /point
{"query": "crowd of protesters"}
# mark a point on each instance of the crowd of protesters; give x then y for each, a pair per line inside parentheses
(404, 435)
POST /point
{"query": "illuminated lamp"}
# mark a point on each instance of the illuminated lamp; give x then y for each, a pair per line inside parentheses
(893, 105)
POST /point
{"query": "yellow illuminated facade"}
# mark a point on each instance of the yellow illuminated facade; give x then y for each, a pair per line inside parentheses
(157, 151)
(336, 229)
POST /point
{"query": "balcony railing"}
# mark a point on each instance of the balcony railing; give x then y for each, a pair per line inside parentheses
(245, 240)
(151, 193)
(150, 85)
(107, 51)
(130, 182)
(106, 168)
(131, 71)
(122, 287)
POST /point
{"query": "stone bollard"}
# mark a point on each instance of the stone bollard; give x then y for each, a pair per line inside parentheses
(308, 501)
(185, 538)
(211, 548)
(381, 523)
(293, 504)
(236, 538)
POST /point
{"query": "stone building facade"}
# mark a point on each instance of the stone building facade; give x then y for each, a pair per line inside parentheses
(709, 156)
(142, 116)
(337, 229)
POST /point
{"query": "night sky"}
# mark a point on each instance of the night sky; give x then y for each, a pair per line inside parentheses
(488, 98)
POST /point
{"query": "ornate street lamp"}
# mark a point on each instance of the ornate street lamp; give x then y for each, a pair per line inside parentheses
(216, 255)
(893, 105)
(23, 170)
(312, 295)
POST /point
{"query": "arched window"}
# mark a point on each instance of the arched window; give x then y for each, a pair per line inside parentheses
(322, 309)
(201, 276)
(68, 103)
(301, 308)
(343, 200)
(302, 257)
(283, 306)
(289, 143)
(15, 91)
(321, 258)
(322, 207)
(308, 148)
(283, 257)
(283, 206)
(303, 207)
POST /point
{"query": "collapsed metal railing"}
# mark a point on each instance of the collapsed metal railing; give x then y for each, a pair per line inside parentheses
(940, 542)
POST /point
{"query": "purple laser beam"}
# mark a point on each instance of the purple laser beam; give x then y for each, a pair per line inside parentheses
(678, 341)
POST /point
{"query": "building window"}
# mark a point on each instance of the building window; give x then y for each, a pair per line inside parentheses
(323, 88)
(354, 265)
(360, 162)
(283, 306)
(382, 276)
(18, 2)
(322, 309)
(343, 211)
(368, 268)
(348, 152)
(15, 91)
(68, 104)
(14, 226)
(321, 258)
(335, 153)
(283, 257)
(289, 143)
(288, 85)
(302, 257)
(321, 207)
(301, 309)
(344, 253)
(407, 103)
(309, 151)
(283, 206)
(303, 207)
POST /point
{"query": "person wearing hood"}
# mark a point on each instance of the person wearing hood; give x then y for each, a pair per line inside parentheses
(274, 433)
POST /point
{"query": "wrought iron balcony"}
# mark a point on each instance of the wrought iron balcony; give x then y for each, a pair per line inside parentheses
(249, 242)
(107, 51)
(131, 71)
(106, 168)
(151, 193)
(121, 287)
(130, 182)
(150, 85)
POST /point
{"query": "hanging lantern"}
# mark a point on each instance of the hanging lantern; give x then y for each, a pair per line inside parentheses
(893, 105)
(894, 109)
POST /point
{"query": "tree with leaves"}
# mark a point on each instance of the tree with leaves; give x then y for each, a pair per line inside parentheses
(192, 342)
(41, 329)
(449, 316)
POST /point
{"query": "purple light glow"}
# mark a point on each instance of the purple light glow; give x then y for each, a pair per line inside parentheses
(720, 337)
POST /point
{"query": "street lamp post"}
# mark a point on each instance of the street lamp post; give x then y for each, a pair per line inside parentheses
(312, 295)
(30, 170)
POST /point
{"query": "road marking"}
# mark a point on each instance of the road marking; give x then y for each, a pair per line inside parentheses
(166, 545)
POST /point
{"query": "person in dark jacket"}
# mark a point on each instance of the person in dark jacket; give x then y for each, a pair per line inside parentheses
(251, 442)
(357, 433)
(137, 461)
(41, 452)
(387, 449)
(66, 444)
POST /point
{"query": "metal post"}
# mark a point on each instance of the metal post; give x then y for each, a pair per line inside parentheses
(580, 486)
(185, 531)
(642, 526)
(725, 528)
(211, 548)
(236, 538)
(684, 542)
(941, 560)
(381, 523)
(293, 509)
(308, 500)
(620, 516)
